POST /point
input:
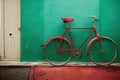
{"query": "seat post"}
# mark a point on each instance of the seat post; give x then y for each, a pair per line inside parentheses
(66, 24)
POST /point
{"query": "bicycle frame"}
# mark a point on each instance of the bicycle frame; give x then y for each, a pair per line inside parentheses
(67, 29)
(71, 42)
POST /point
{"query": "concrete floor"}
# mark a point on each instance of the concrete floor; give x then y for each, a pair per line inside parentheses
(14, 73)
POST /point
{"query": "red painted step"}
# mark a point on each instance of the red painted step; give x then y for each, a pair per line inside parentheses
(74, 73)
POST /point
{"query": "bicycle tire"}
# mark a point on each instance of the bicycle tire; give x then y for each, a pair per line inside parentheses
(54, 58)
(105, 57)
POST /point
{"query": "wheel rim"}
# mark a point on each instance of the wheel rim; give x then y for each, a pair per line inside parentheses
(103, 58)
(54, 58)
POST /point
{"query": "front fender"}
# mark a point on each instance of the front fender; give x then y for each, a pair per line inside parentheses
(90, 43)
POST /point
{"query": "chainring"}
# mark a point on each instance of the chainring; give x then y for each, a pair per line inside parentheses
(77, 54)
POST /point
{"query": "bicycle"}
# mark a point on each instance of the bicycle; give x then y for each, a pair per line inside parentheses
(101, 50)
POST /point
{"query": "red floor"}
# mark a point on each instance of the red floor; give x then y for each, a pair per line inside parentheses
(74, 73)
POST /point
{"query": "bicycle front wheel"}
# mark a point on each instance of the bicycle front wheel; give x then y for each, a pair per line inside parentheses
(106, 55)
(58, 56)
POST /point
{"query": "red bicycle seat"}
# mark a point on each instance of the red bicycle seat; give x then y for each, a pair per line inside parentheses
(67, 19)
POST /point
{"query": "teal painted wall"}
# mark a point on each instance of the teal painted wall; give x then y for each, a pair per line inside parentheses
(110, 20)
(32, 29)
(41, 19)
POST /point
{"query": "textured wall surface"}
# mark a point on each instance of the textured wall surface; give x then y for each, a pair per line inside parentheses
(41, 19)
(32, 29)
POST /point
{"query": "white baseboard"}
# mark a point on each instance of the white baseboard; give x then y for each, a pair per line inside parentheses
(18, 63)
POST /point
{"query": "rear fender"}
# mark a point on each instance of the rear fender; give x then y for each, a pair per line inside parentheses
(56, 37)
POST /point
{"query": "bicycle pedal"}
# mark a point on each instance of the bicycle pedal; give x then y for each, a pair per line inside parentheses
(42, 45)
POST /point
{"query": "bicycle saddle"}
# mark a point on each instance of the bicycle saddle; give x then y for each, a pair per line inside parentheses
(67, 19)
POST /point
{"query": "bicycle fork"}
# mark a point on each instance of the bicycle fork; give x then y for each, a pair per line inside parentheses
(98, 38)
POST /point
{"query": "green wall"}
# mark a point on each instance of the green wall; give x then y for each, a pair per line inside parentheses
(32, 29)
(41, 19)
(110, 20)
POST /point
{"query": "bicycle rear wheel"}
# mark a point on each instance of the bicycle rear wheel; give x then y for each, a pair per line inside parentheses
(55, 56)
(106, 55)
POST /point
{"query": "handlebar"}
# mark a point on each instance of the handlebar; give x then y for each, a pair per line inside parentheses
(94, 17)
